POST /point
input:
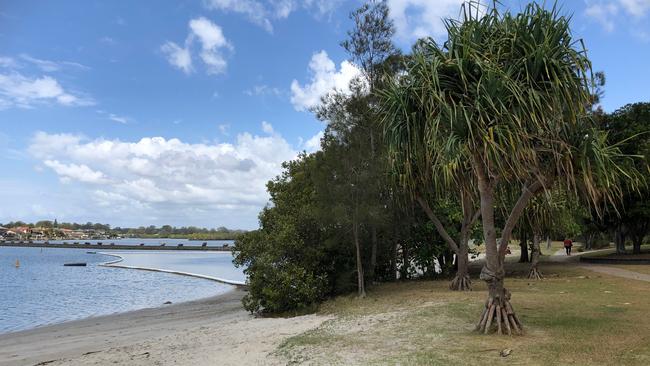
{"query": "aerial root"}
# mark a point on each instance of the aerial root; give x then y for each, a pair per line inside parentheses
(535, 274)
(500, 317)
(461, 283)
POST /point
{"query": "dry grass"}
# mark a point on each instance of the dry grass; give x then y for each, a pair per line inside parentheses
(572, 317)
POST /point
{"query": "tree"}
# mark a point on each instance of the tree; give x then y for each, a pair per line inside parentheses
(506, 96)
(629, 127)
(369, 45)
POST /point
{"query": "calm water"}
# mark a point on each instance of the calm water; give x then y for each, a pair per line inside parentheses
(42, 291)
(214, 264)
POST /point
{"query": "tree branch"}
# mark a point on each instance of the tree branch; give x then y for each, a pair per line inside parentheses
(527, 192)
(436, 222)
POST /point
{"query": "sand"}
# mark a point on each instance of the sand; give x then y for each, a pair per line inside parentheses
(214, 331)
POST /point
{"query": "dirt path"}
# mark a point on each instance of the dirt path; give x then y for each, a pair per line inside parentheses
(618, 272)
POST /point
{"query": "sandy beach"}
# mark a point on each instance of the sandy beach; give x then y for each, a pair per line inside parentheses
(213, 331)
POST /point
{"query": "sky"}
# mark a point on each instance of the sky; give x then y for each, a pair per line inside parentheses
(178, 112)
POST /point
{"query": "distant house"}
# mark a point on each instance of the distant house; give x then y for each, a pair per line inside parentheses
(22, 230)
(39, 233)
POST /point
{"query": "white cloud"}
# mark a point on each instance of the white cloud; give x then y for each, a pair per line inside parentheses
(267, 128)
(324, 78)
(263, 90)
(17, 90)
(44, 65)
(51, 66)
(81, 173)
(610, 13)
(212, 40)
(313, 144)
(8, 62)
(419, 18)
(603, 14)
(154, 175)
(263, 13)
(224, 128)
(637, 8)
(114, 117)
(254, 10)
(177, 56)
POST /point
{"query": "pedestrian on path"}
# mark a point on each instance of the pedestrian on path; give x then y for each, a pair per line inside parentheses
(567, 246)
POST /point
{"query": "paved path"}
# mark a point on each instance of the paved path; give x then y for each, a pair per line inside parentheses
(618, 272)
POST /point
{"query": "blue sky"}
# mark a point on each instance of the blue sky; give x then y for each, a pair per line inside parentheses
(150, 112)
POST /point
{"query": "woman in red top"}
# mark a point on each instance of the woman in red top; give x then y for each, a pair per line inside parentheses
(567, 246)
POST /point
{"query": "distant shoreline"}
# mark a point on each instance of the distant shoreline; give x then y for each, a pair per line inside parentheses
(112, 246)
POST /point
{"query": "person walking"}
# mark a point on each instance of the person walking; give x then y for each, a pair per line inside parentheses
(567, 246)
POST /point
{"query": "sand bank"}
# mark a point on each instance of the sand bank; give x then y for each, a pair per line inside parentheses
(213, 331)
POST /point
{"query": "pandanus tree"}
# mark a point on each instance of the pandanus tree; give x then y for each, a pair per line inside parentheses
(540, 218)
(503, 102)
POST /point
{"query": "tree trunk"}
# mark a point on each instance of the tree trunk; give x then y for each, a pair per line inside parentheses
(523, 244)
(373, 254)
(405, 263)
(636, 242)
(534, 272)
(619, 240)
(498, 313)
(548, 242)
(360, 280)
(393, 265)
(589, 241)
(498, 304)
(462, 281)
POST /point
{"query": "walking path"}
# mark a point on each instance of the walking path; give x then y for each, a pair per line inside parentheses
(613, 271)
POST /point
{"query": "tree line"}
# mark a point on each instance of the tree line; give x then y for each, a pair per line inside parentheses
(494, 133)
(164, 231)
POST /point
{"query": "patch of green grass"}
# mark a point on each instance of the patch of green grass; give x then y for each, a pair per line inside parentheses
(574, 316)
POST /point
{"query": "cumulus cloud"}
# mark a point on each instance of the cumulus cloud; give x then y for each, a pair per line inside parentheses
(324, 78)
(17, 90)
(419, 18)
(267, 128)
(177, 56)
(82, 173)
(212, 41)
(313, 144)
(610, 13)
(263, 13)
(155, 174)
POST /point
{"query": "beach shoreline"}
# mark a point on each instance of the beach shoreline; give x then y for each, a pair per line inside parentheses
(216, 330)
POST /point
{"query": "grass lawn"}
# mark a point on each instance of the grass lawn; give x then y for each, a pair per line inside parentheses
(574, 317)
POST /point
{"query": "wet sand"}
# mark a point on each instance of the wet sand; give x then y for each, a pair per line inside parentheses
(213, 331)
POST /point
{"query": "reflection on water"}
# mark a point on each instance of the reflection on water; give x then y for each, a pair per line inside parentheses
(42, 291)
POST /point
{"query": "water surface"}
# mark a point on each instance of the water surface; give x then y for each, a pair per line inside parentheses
(42, 291)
